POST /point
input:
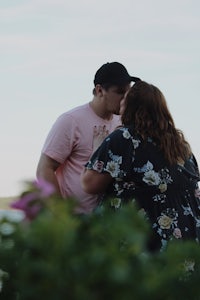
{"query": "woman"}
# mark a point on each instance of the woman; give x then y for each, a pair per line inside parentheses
(149, 161)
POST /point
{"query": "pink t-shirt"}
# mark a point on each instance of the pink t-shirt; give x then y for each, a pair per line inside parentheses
(70, 142)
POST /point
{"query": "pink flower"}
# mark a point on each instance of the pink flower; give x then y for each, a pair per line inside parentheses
(46, 188)
(29, 205)
(33, 201)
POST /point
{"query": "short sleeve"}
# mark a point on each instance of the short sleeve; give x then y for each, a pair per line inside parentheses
(61, 138)
(109, 156)
(191, 167)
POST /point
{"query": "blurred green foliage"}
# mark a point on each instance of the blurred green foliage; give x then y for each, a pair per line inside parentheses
(60, 255)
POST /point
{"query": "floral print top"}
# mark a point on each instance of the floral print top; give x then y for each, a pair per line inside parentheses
(168, 195)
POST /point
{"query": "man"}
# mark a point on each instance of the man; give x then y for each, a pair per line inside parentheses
(74, 135)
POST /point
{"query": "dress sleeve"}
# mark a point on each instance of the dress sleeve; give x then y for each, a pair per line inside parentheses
(192, 168)
(109, 156)
(196, 167)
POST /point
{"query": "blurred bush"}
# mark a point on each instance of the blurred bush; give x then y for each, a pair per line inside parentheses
(59, 255)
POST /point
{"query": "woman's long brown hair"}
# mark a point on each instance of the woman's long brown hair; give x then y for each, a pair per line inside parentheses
(147, 110)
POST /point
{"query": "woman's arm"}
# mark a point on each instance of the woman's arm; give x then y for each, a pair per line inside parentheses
(94, 182)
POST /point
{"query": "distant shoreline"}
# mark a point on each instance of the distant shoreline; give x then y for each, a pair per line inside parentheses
(5, 202)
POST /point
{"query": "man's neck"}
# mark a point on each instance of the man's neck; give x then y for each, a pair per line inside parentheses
(100, 110)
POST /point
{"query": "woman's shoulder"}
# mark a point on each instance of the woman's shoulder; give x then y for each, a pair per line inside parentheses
(127, 131)
(124, 133)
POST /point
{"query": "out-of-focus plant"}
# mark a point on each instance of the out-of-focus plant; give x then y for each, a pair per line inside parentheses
(33, 200)
(62, 255)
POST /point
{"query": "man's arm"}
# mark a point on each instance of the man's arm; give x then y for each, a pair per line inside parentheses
(46, 169)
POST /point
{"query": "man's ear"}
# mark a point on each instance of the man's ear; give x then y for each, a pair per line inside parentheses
(99, 90)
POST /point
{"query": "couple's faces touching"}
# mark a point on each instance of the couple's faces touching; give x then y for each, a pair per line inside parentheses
(113, 97)
(123, 103)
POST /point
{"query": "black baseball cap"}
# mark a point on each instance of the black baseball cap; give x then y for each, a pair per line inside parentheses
(113, 73)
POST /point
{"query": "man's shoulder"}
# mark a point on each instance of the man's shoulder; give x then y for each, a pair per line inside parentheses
(75, 113)
(78, 109)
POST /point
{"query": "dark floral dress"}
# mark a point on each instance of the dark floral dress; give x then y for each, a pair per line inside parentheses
(168, 195)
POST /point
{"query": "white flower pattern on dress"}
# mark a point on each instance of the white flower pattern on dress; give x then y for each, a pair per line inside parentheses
(98, 166)
(167, 224)
(152, 179)
(165, 221)
(116, 158)
(135, 143)
(177, 233)
(113, 168)
(162, 187)
(187, 210)
(126, 134)
(115, 202)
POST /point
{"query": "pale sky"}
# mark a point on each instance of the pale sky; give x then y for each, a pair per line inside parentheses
(51, 49)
